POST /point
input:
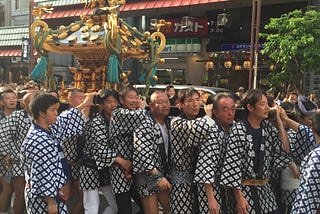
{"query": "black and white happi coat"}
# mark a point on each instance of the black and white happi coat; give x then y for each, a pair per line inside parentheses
(240, 164)
(43, 160)
(150, 153)
(16, 129)
(187, 135)
(3, 143)
(308, 193)
(122, 124)
(304, 144)
(70, 151)
(97, 147)
(209, 166)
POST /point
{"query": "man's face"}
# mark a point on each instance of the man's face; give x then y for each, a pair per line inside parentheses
(293, 98)
(160, 105)
(50, 116)
(171, 92)
(191, 106)
(110, 104)
(76, 99)
(9, 100)
(261, 108)
(225, 111)
(131, 100)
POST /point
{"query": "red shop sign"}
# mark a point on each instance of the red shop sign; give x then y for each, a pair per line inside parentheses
(198, 27)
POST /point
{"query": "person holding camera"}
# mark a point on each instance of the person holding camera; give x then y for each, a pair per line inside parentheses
(258, 146)
(42, 157)
(303, 143)
(98, 156)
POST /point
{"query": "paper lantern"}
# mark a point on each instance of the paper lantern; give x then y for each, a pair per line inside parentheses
(246, 64)
(227, 64)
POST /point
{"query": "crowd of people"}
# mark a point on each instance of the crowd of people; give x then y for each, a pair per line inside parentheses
(114, 144)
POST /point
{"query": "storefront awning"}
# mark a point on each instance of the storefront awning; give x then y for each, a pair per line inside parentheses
(67, 13)
(10, 52)
(130, 6)
(152, 4)
(14, 52)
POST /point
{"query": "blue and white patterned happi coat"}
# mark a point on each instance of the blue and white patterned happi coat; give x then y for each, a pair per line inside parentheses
(41, 159)
(308, 194)
(16, 129)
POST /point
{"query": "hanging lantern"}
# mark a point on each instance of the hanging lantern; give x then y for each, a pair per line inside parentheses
(246, 64)
(272, 67)
(209, 65)
(227, 64)
(237, 67)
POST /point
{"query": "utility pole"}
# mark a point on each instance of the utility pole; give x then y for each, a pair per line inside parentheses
(31, 58)
(254, 43)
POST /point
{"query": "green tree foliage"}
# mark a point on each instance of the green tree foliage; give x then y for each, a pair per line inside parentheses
(293, 41)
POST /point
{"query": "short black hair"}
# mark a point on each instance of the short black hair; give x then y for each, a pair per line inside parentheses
(125, 90)
(168, 87)
(219, 96)
(251, 97)
(73, 91)
(105, 93)
(183, 94)
(41, 102)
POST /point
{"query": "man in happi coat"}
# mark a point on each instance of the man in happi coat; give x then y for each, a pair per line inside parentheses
(99, 156)
(8, 103)
(16, 129)
(308, 193)
(122, 124)
(221, 108)
(188, 133)
(302, 144)
(254, 147)
(42, 157)
(70, 147)
(151, 155)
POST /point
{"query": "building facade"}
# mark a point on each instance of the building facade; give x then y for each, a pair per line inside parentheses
(198, 29)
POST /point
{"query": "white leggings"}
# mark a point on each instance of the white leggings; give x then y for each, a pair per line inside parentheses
(91, 201)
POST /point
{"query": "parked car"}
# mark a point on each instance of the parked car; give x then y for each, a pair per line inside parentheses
(211, 90)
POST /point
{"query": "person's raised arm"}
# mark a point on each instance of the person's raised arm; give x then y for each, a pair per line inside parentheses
(282, 132)
(85, 106)
(291, 123)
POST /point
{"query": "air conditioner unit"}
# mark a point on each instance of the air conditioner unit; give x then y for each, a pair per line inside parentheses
(224, 20)
(15, 59)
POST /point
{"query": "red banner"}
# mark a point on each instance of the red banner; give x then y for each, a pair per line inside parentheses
(197, 27)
